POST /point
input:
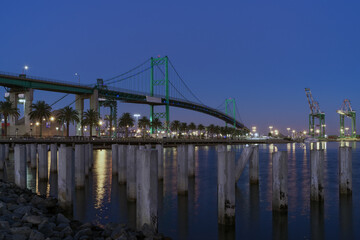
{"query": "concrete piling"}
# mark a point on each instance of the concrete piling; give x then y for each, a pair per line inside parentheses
(244, 158)
(65, 177)
(131, 156)
(79, 165)
(33, 149)
(317, 175)
(182, 170)
(226, 187)
(160, 150)
(148, 146)
(191, 160)
(279, 181)
(86, 156)
(28, 153)
(53, 164)
(91, 156)
(146, 182)
(114, 159)
(43, 161)
(345, 170)
(7, 146)
(122, 164)
(20, 165)
(254, 166)
(2, 156)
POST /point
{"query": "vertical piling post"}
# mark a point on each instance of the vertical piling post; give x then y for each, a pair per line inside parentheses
(160, 150)
(65, 177)
(28, 153)
(122, 164)
(279, 184)
(7, 151)
(148, 146)
(131, 157)
(345, 170)
(2, 156)
(226, 187)
(254, 166)
(20, 165)
(241, 163)
(317, 175)
(53, 164)
(86, 156)
(43, 161)
(79, 165)
(114, 158)
(191, 160)
(182, 170)
(33, 155)
(146, 182)
(91, 156)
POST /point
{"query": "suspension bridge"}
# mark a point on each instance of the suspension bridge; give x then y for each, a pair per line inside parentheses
(155, 82)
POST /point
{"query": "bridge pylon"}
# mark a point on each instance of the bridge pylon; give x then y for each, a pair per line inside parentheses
(161, 83)
(228, 102)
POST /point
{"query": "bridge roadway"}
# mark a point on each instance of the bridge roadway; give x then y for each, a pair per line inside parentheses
(26, 82)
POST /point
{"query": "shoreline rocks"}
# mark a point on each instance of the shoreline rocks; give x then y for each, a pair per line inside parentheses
(26, 215)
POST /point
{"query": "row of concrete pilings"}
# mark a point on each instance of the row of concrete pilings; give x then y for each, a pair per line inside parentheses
(141, 167)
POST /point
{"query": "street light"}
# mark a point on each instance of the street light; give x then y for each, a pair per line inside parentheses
(78, 75)
(288, 129)
(26, 67)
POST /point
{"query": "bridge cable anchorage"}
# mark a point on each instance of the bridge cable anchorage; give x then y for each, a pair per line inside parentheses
(185, 83)
(122, 79)
(107, 80)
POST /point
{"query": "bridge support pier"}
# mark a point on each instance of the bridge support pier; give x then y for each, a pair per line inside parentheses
(79, 107)
(182, 170)
(226, 187)
(20, 165)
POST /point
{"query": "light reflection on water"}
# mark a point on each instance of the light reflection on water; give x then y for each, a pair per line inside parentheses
(194, 216)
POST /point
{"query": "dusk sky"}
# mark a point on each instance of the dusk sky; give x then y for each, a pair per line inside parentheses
(262, 53)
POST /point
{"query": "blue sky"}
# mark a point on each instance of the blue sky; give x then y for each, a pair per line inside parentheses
(262, 53)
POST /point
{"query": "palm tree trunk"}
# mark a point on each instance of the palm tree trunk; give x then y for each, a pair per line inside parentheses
(67, 129)
(90, 130)
(5, 126)
(41, 128)
(110, 128)
(126, 132)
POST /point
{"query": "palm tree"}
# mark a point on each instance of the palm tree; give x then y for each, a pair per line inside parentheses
(156, 123)
(201, 128)
(126, 121)
(67, 115)
(91, 118)
(192, 127)
(211, 130)
(175, 126)
(7, 109)
(40, 111)
(110, 118)
(143, 123)
(183, 127)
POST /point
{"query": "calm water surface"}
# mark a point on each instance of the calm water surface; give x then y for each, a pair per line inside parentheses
(194, 216)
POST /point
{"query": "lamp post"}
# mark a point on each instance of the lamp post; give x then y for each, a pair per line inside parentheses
(78, 75)
(288, 130)
(25, 68)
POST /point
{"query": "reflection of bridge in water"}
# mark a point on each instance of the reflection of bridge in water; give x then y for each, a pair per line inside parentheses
(154, 82)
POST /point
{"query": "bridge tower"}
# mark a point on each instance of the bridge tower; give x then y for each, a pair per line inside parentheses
(161, 83)
(228, 102)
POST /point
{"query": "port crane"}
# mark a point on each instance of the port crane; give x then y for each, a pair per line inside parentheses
(347, 111)
(315, 113)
